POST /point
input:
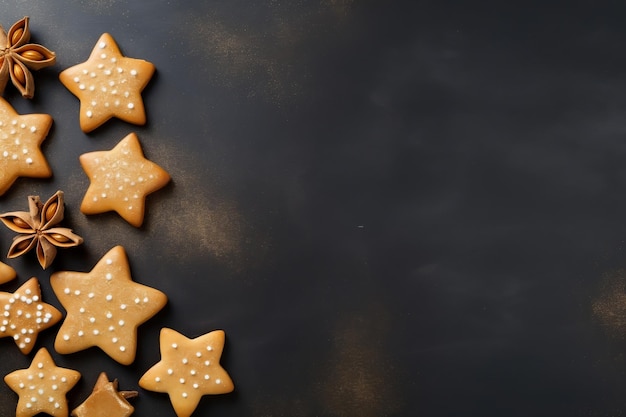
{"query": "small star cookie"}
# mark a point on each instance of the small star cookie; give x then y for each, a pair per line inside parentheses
(108, 85)
(20, 140)
(121, 179)
(23, 315)
(189, 369)
(106, 401)
(42, 386)
(104, 307)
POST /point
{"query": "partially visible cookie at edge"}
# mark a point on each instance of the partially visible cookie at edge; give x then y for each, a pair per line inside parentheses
(106, 400)
(20, 145)
(7, 273)
(25, 315)
(108, 85)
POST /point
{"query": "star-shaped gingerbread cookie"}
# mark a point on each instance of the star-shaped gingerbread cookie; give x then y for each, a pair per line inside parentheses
(106, 401)
(120, 180)
(42, 386)
(189, 369)
(108, 85)
(23, 315)
(20, 145)
(104, 307)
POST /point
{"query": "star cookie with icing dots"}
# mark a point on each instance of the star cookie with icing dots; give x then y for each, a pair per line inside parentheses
(104, 307)
(106, 401)
(20, 145)
(108, 85)
(189, 369)
(23, 315)
(120, 180)
(42, 386)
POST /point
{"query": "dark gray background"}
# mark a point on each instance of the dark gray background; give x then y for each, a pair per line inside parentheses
(392, 208)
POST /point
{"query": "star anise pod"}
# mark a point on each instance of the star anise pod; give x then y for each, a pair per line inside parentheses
(18, 57)
(35, 228)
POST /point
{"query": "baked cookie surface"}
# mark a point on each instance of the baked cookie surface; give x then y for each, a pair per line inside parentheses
(42, 386)
(106, 401)
(120, 180)
(108, 85)
(188, 370)
(20, 140)
(104, 307)
(24, 315)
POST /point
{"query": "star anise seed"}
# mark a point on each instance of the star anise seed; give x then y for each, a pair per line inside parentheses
(35, 229)
(18, 57)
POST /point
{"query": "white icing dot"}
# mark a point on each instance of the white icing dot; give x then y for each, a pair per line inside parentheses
(109, 297)
(182, 380)
(89, 113)
(102, 45)
(66, 337)
(174, 345)
(122, 348)
(131, 105)
(170, 371)
(133, 72)
(157, 379)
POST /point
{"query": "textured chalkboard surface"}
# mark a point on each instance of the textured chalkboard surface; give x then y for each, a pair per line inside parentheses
(391, 208)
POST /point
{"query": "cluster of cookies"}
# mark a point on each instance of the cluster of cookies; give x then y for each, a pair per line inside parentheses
(104, 307)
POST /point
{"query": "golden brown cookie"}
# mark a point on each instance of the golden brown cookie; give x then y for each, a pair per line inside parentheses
(106, 401)
(42, 386)
(24, 315)
(108, 85)
(189, 369)
(104, 307)
(7, 273)
(20, 140)
(121, 179)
